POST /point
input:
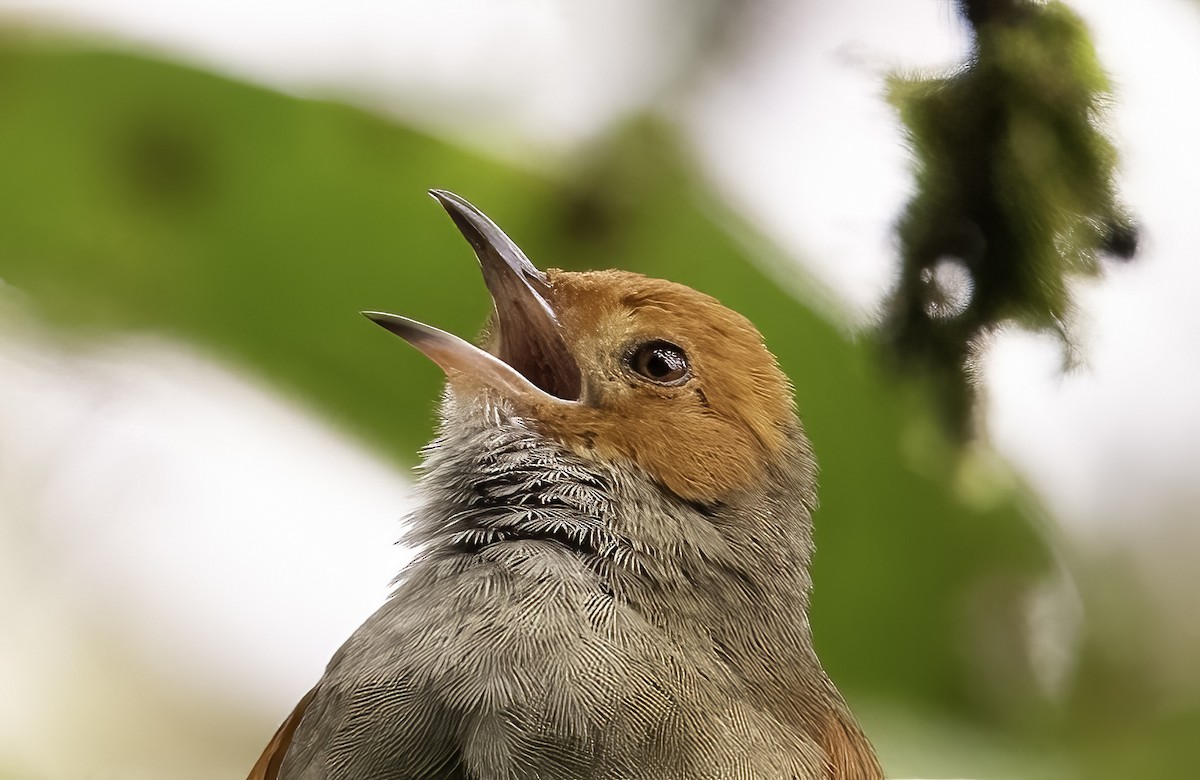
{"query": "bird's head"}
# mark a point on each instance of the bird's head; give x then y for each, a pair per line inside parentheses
(614, 364)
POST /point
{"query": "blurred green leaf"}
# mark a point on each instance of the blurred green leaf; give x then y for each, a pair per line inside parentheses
(137, 195)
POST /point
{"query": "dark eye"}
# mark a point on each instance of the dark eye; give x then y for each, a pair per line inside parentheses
(661, 362)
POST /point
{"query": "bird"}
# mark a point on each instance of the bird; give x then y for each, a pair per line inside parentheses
(615, 535)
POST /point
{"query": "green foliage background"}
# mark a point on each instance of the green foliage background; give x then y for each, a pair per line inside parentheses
(137, 195)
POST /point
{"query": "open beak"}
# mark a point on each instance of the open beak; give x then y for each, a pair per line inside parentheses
(532, 361)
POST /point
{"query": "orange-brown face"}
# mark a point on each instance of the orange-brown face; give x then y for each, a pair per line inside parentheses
(670, 379)
(619, 365)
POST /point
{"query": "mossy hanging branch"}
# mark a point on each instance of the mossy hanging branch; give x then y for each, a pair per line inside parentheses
(1014, 192)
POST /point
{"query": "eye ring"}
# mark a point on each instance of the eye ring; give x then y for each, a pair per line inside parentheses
(659, 362)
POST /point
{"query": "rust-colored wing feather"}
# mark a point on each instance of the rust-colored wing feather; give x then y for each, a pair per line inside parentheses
(267, 766)
(850, 754)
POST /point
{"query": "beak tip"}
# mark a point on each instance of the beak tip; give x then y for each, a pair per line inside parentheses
(449, 201)
(394, 323)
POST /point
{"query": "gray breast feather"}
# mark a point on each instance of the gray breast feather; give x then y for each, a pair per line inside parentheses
(519, 666)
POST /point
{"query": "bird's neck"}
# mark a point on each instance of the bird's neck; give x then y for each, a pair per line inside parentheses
(728, 580)
(733, 577)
